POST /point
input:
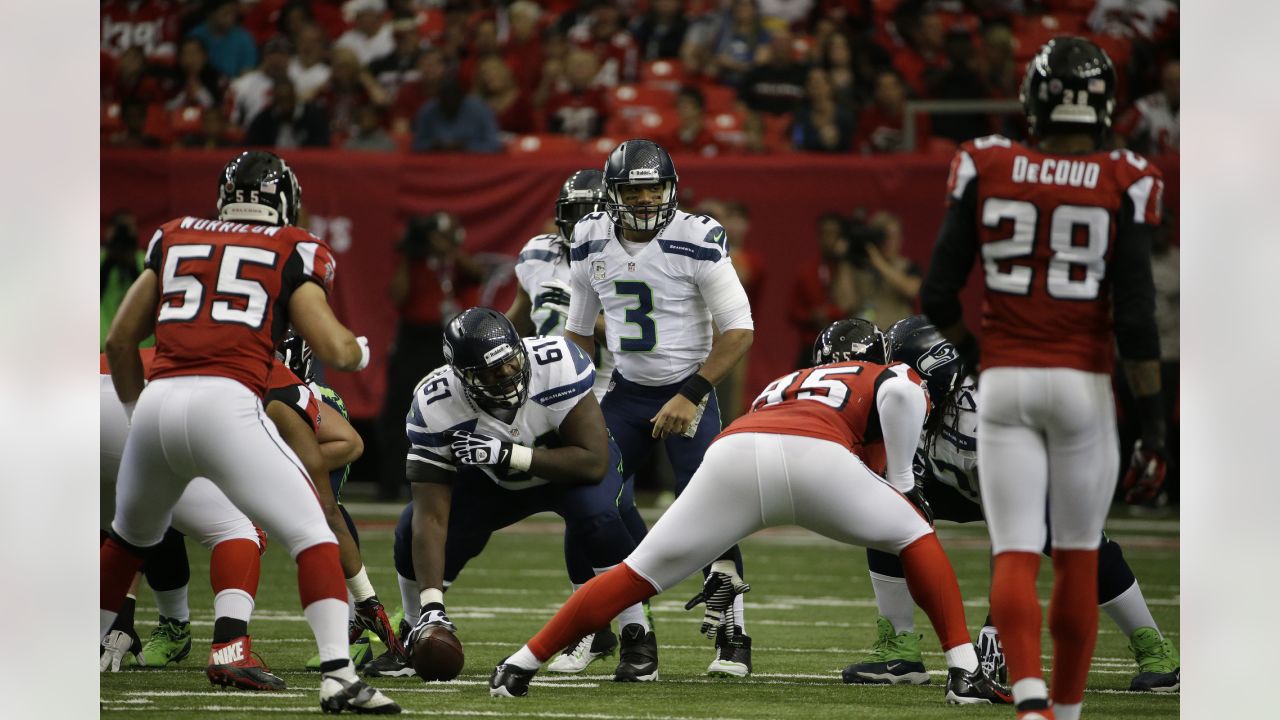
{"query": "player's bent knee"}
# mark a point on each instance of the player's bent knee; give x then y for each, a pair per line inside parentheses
(135, 543)
(304, 538)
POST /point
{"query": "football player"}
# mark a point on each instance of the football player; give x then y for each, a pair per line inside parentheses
(218, 293)
(663, 277)
(509, 428)
(946, 470)
(1064, 230)
(799, 457)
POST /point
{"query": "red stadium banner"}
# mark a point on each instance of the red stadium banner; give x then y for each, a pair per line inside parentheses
(358, 203)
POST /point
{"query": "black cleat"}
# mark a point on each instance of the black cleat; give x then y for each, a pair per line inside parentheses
(638, 658)
(969, 688)
(509, 681)
(733, 654)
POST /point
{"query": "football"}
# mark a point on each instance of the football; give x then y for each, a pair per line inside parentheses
(437, 655)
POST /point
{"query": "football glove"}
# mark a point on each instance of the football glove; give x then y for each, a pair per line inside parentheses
(555, 296)
(115, 646)
(476, 449)
(371, 615)
(718, 591)
(429, 619)
(1145, 476)
(363, 342)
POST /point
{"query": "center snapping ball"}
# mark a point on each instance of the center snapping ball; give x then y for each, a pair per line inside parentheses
(437, 655)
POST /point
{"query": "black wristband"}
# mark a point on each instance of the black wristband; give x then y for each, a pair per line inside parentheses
(1151, 417)
(696, 388)
(433, 606)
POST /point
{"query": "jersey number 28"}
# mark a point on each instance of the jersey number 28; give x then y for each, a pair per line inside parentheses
(1075, 271)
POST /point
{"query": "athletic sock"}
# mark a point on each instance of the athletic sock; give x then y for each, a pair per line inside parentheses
(893, 599)
(1129, 611)
(739, 614)
(359, 585)
(1015, 607)
(409, 599)
(323, 596)
(963, 656)
(116, 568)
(590, 609)
(933, 587)
(524, 659)
(172, 604)
(1073, 622)
(1064, 711)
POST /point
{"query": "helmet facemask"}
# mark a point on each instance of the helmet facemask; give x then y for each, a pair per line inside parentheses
(502, 383)
(641, 217)
(579, 204)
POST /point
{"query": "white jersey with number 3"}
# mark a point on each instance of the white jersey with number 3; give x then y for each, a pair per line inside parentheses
(657, 318)
(561, 374)
(545, 258)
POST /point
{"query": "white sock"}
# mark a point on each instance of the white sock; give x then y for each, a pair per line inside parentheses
(524, 659)
(894, 601)
(173, 604)
(633, 615)
(576, 586)
(962, 656)
(409, 599)
(1030, 688)
(351, 607)
(233, 603)
(359, 585)
(105, 620)
(739, 613)
(1067, 712)
(346, 672)
(328, 621)
(1129, 611)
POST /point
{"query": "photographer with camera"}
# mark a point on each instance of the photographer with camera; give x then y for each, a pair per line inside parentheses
(892, 280)
(828, 288)
(433, 281)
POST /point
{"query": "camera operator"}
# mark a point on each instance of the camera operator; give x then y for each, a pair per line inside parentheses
(891, 281)
(826, 289)
(433, 281)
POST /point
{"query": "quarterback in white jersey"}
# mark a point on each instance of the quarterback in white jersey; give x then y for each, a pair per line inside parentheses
(541, 304)
(507, 429)
(946, 470)
(662, 277)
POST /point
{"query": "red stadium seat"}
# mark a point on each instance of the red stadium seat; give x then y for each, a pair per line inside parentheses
(157, 124)
(186, 121)
(719, 98)
(727, 128)
(633, 100)
(653, 124)
(602, 145)
(543, 144)
(110, 121)
(662, 74)
(939, 147)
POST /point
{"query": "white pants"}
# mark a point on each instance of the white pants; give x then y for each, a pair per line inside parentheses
(212, 428)
(1046, 436)
(751, 481)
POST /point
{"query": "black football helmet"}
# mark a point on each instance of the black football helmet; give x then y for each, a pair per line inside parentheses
(296, 355)
(915, 341)
(258, 186)
(640, 162)
(1070, 87)
(481, 344)
(581, 195)
(848, 340)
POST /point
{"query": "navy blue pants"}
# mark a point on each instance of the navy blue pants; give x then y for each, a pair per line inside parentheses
(593, 527)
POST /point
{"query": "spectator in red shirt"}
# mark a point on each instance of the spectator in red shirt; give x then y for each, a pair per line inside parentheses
(496, 85)
(823, 290)
(153, 27)
(579, 110)
(193, 81)
(615, 50)
(880, 127)
(522, 50)
(411, 96)
(133, 115)
(691, 134)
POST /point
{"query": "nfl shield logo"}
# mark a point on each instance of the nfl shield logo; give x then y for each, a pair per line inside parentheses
(597, 270)
(631, 267)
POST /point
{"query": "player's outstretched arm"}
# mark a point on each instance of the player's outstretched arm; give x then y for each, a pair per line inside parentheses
(340, 444)
(133, 323)
(431, 499)
(330, 340)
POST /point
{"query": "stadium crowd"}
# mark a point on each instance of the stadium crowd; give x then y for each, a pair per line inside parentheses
(700, 76)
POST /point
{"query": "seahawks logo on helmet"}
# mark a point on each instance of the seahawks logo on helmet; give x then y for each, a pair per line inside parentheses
(940, 354)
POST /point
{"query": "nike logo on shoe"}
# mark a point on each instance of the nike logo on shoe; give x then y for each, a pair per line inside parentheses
(227, 655)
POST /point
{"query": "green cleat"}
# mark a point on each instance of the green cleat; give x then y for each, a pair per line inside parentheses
(1159, 667)
(894, 659)
(360, 651)
(170, 642)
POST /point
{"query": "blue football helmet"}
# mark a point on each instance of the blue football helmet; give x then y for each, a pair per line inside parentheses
(918, 343)
(640, 162)
(484, 349)
(581, 195)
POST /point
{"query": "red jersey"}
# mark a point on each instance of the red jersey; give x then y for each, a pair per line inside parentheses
(1048, 230)
(224, 294)
(830, 402)
(149, 24)
(282, 385)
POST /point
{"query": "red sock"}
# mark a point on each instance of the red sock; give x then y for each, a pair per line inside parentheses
(1015, 608)
(116, 568)
(234, 566)
(933, 586)
(592, 607)
(320, 574)
(1073, 621)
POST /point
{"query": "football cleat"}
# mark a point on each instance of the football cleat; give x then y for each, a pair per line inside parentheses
(638, 657)
(360, 650)
(733, 654)
(338, 694)
(894, 659)
(116, 646)
(577, 657)
(371, 615)
(991, 655)
(391, 663)
(170, 642)
(233, 664)
(971, 688)
(1159, 667)
(510, 681)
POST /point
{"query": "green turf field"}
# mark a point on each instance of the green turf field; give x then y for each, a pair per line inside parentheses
(810, 612)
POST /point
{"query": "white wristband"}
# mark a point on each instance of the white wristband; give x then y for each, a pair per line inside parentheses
(521, 457)
(364, 352)
(430, 595)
